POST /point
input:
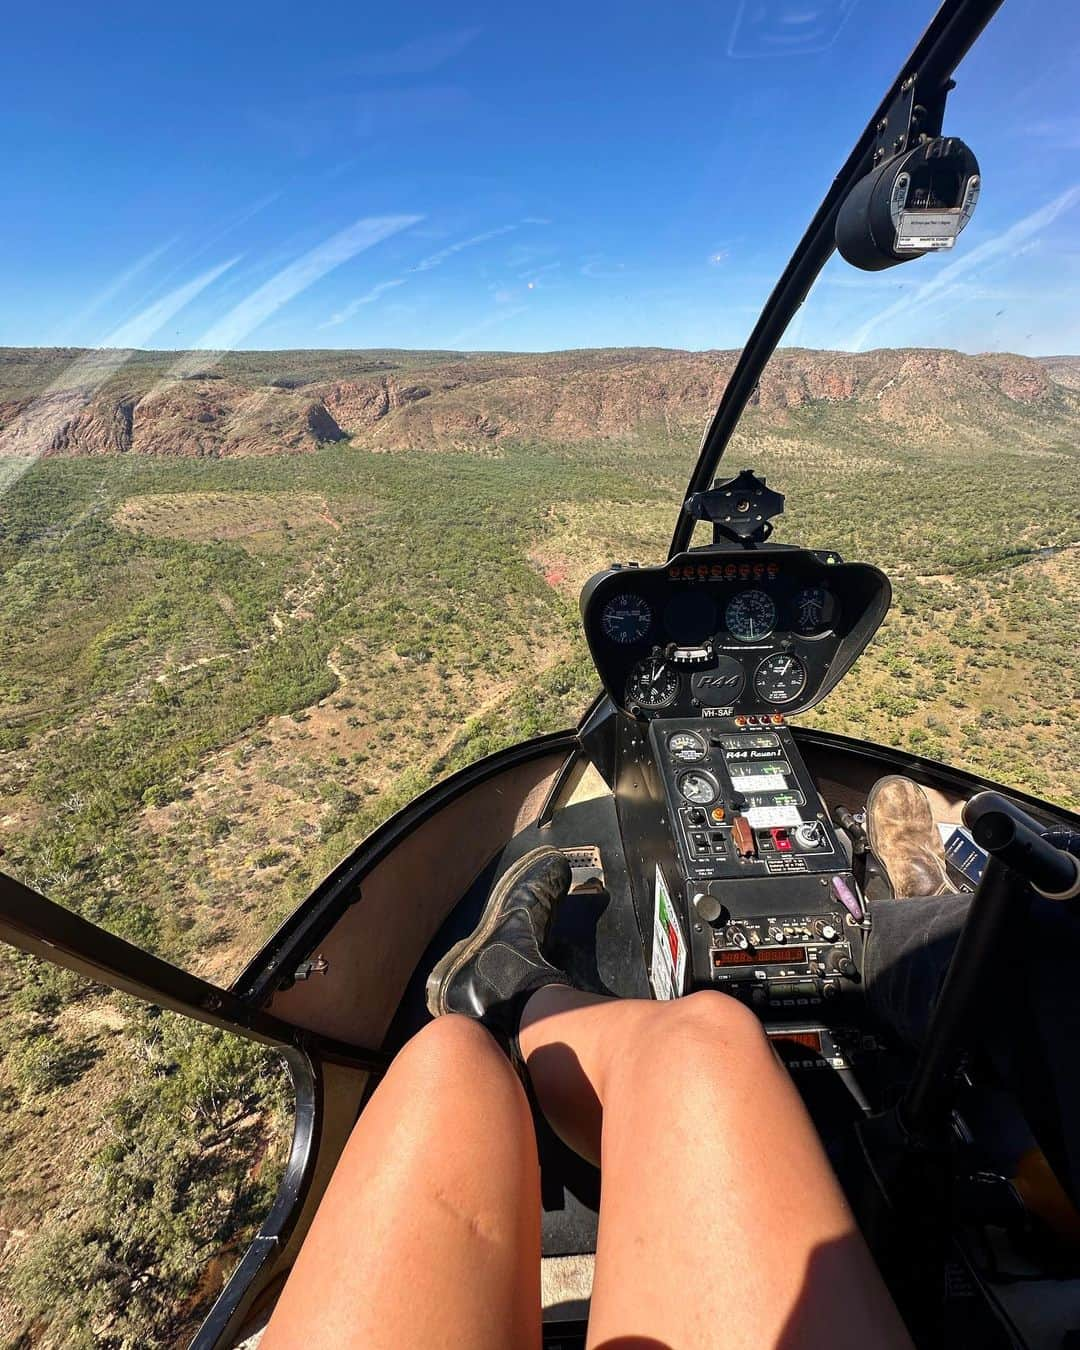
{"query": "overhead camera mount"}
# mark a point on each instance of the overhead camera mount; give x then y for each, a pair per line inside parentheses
(740, 509)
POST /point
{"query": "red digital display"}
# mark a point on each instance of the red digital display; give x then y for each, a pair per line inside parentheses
(788, 1040)
(767, 956)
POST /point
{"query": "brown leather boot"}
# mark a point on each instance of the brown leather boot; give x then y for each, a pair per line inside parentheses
(900, 827)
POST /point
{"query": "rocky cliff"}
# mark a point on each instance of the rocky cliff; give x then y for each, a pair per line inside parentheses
(59, 403)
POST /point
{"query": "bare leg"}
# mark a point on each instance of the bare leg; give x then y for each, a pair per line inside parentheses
(721, 1223)
(429, 1232)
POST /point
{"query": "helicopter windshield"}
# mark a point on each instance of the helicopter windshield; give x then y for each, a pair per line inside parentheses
(282, 545)
(256, 599)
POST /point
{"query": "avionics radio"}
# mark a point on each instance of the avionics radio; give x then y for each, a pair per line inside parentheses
(793, 962)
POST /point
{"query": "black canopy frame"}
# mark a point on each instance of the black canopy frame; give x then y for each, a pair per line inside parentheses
(924, 79)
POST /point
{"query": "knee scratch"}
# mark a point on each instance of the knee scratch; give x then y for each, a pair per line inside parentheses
(481, 1226)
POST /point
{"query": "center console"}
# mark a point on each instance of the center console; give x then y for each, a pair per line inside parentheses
(741, 836)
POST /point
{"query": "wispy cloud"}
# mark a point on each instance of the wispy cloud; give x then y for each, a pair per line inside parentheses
(420, 56)
(368, 298)
(601, 268)
(427, 264)
(436, 259)
(1007, 244)
(118, 284)
(1059, 133)
(297, 276)
(535, 273)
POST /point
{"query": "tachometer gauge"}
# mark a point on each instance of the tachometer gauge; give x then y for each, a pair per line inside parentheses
(780, 678)
(652, 684)
(815, 611)
(699, 787)
(686, 747)
(626, 618)
(750, 616)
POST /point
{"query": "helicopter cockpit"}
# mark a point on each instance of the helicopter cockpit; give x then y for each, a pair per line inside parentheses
(717, 827)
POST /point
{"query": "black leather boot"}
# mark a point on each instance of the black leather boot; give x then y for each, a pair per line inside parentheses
(489, 974)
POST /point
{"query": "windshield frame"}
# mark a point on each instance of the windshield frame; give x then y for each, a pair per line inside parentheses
(926, 76)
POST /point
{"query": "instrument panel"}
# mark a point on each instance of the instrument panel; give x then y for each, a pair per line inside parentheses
(717, 631)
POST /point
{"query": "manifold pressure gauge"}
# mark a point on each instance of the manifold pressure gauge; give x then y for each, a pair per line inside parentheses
(780, 678)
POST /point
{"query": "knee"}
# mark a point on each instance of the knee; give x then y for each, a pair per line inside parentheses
(711, 1020)
(454, 1046)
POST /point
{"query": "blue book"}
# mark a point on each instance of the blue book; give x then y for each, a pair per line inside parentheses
(963, 853)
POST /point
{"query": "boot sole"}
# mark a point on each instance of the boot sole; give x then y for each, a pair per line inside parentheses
(461, 952)
(945, 886)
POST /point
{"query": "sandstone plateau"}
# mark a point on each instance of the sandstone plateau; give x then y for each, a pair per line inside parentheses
(67, 402)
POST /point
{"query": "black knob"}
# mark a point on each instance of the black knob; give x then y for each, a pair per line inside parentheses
(738, 938)
(844, 965)
(708, 908)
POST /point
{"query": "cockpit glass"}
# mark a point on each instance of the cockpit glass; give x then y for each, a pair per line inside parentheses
(333, 369)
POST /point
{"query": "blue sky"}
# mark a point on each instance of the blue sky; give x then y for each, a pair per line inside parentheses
(494, 176)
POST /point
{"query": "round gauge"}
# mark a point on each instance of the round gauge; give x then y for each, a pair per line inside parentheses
(686, 747)
(750, 616)
(652, 684)
(815, 611)
(780, 678)
(699, 787)
(626, 618)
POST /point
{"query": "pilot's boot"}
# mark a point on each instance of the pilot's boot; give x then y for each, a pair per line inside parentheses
(489, 974)
(901, 830)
